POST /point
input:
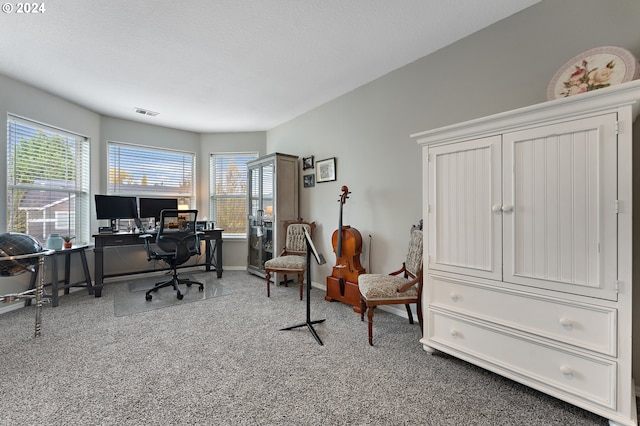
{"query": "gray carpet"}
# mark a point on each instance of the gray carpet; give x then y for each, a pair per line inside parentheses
(129, 297)
(224, 361)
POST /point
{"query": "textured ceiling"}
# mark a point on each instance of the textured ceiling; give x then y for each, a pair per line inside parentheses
(226, 65)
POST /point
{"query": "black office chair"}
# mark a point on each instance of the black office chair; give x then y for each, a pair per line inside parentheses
(176, 240)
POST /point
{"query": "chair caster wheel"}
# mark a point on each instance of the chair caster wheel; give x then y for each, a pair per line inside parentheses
(180, 296)
(200, 289)
(148, 297)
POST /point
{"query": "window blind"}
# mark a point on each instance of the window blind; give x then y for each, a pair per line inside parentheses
(151, 172)
(228, 191)
(47, 180)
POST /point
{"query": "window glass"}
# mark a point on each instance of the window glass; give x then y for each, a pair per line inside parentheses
(228, 191)
(47, 181)
(136, 170)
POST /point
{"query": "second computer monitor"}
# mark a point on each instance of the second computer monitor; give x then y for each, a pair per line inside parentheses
(151, 207)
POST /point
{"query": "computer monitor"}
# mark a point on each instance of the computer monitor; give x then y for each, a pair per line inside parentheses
(113, 207)
(151, 207)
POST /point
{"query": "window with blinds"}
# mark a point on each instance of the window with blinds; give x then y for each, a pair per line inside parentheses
(228, 191)
(136, 170)
(48, 188)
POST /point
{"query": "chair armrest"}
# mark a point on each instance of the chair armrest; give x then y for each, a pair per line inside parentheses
(147, 245)
(403, 269)
(410, 284)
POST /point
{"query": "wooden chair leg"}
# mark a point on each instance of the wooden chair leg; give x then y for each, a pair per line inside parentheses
(363, 308)
(301, 280)
(268, 275)
(370, 325)
(409, 314)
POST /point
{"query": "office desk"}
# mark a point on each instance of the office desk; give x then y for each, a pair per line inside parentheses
(213, 253)
(66, 284)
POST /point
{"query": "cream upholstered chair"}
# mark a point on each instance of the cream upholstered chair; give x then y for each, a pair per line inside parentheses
(403, 286)
(292, 259)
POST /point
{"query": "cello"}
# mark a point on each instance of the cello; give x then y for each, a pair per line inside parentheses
(342, 285)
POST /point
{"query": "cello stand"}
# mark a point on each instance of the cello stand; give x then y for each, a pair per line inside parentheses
(308, 323)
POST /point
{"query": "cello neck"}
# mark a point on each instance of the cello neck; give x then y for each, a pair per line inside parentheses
(343, 199)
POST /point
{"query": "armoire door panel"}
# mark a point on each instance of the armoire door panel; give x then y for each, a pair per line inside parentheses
(558, 180)
(465, 230)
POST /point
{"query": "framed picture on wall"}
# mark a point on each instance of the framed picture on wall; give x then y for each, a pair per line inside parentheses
(309, 180)
(326, 170)
(307, 163)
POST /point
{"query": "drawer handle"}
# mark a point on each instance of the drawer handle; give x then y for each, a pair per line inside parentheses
(566, 323)
(507, 208)
(455, 333)
(496, 208)
(566, 371)
(454, 297)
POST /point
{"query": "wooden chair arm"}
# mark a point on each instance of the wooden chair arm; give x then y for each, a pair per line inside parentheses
(410, 284)
(403, 269)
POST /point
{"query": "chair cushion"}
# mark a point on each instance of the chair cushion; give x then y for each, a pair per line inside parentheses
(380, 286)
(293, 263)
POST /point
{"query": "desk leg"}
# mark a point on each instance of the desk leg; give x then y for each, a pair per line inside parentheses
(67, 271)
(85, 268)
(98, 270)
(54, 280)
(218, 253)
(208, 255)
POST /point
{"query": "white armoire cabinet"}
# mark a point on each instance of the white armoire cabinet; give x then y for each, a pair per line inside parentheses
(528, 260)
(273, 200)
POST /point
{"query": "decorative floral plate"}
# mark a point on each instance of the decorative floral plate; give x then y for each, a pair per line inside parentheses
(594, 69)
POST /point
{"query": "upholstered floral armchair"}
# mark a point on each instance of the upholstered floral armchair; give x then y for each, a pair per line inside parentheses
(292, 259)
(403, 286)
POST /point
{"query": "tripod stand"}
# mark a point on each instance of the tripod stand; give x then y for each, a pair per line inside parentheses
(320, 259)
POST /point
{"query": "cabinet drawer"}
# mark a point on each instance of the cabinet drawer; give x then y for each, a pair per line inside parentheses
(556, 371)
(586, 326)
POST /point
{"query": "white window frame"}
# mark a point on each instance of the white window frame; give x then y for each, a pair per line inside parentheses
(214, 196)
(147, 179)
(40, 221)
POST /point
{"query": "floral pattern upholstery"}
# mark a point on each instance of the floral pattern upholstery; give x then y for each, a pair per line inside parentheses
(381, 286)
(295, 237)
(293, 258)
(286, 263)
(399, 287)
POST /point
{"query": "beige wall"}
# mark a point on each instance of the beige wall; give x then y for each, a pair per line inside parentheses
(505, 66)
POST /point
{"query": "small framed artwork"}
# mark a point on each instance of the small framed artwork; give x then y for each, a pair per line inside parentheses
(326, 170)
(309, 180)
(307, 163)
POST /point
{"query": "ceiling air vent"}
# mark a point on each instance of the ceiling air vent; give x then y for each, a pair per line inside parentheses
(146, 112)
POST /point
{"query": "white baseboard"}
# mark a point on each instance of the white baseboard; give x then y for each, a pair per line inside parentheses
(398, 310)
(11, 306)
